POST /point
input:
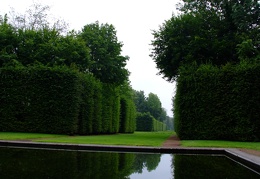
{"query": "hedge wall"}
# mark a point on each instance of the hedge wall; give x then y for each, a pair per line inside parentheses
(91, 106)
(39, 99)
(218, 103)
(127, 115)
(146, 122)
(59, 100)
(158, 126)
(110, 109)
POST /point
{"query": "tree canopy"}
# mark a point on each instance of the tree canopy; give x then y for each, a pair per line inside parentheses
(31, 38)
(215, 31)
(154, 105)
(150, 104)
(108, 64)
(37, 17)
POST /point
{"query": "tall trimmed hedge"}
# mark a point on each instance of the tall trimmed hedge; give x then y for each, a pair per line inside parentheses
(39, 99)
(218, 103)
(110, 109)
(58, 100)
(146, 122)
(91, 106)
(127, 115)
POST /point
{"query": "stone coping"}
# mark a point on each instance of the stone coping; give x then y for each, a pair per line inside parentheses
(250, 161)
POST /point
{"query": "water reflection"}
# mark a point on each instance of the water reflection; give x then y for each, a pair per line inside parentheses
(32, 163)
(162, 170)
(205, 166)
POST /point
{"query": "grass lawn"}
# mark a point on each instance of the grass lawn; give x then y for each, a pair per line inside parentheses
(221, 144)
(155, 139)
(136, 139)
(25, 136)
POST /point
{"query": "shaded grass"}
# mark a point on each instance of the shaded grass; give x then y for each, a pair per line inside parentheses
(137, 139)
(221, 144)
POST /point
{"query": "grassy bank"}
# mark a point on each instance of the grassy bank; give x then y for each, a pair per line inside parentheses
(137, 139)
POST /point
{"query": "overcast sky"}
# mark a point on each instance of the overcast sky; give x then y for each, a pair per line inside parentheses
(133, 20)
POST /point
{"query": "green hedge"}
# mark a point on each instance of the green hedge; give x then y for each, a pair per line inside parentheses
(127, 116)
(146, 122)
(97, 116)
(39, 99)
(218, 103)
(91, 106)
(60, 100)
(158, 126)
(110, 109)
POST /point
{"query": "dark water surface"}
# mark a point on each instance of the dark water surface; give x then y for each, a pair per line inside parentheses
(34, 163)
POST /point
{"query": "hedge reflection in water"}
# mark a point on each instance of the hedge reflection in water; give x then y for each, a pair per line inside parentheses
(34, 163)
(31, 163)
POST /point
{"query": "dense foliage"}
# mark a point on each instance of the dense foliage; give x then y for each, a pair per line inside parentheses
(220, 100)
(207, 31)
(39, 99)
(110, 109)
(30, 37)
(40, 89)
(146, 122)
(108, 65)
(58, 100)
(152, 105)
(219, 103)
(127, 109)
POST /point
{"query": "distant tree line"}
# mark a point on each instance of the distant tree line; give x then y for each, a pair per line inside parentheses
(150, 109)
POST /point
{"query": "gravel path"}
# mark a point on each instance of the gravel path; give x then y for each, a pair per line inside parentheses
(172, 141)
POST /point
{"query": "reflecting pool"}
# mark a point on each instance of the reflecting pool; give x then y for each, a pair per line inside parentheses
(35, 163)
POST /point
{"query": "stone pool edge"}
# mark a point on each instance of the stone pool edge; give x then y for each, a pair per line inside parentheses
(248, 160)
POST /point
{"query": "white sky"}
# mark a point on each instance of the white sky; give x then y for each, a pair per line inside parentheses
(134, 21)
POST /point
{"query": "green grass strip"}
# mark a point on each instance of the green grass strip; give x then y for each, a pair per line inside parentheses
(155, 139)
(25, 136)
(137, 139)
(221, 144)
